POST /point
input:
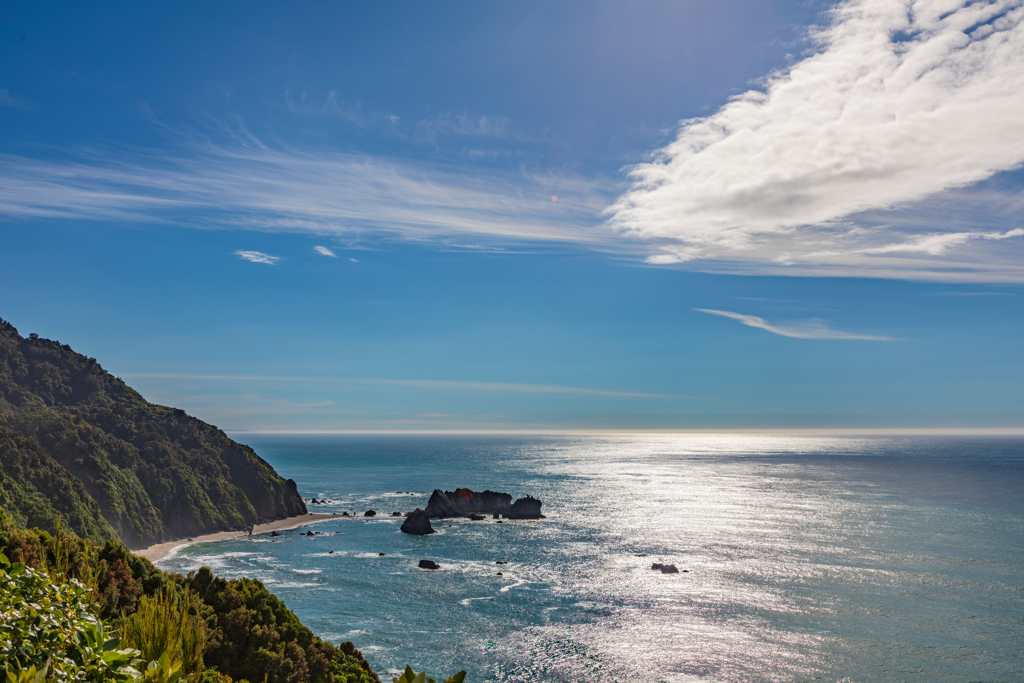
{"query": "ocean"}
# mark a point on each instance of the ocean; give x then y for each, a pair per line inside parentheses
(807, 558)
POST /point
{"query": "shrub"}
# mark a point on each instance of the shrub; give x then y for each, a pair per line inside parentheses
(167, 623)
(50, 629)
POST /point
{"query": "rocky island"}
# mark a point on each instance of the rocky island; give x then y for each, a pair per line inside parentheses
(465, 502)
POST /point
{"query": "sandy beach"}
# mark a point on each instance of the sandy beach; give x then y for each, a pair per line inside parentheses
(155, 553)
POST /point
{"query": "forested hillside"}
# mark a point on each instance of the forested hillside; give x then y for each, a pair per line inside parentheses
(76, 441)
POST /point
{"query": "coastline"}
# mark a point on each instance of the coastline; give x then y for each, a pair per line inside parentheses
(159, 551)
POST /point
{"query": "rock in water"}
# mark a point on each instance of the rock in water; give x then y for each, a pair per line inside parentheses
(427, 564)
(417, 523)
(370, 513)
(525, 508)
(475, 517)
(463, 502)
(466, 502)
(669, 569)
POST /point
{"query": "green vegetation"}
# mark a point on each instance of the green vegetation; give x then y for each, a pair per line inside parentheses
(211, 630)
(409, 676)
(48, 631)
(84, 459)
(165, 623)
(81, 446)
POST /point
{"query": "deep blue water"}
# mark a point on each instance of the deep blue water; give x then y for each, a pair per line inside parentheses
(809, 558)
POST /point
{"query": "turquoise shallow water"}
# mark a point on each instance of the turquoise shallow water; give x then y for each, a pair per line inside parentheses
(810, 558)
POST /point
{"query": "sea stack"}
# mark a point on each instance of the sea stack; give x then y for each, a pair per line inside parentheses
(417, 523)
(466, 502)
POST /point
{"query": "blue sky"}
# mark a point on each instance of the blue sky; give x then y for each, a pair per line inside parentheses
(530, 215)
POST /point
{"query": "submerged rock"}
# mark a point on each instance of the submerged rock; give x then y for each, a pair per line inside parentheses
(427, 564)
(417, 523)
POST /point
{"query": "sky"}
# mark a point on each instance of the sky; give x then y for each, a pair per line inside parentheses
(530, 215)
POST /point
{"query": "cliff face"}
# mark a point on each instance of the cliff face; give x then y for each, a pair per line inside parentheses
(75, 440)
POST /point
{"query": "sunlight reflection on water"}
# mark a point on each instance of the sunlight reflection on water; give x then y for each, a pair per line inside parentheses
(838, 558)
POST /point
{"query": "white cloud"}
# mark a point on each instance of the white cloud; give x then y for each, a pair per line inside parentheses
(348, 197)
(258, 257)
(939, 243)
(324, 251)
(902, 100)
(812, 329)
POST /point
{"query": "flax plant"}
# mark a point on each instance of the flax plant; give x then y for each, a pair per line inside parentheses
(167, 623)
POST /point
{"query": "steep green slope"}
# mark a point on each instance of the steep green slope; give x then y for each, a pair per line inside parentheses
(38, 492)
(88, 441)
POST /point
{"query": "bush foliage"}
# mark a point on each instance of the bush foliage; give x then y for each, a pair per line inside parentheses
(213, 630)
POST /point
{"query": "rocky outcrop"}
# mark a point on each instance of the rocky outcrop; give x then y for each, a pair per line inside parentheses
(417, 523)
(525, 508)
(666, 568)
(428, 564)
(469, 503)
(464, 502)
(370, 513)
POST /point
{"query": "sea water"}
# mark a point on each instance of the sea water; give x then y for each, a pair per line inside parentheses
(806, 558)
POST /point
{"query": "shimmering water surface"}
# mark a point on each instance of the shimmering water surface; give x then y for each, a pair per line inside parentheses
(809, 558)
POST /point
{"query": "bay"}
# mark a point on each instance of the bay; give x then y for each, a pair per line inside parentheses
(806, 557)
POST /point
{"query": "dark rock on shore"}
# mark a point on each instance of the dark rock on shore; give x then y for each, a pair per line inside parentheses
(475, 518)
(274, 534)
(427, 564)
(417, 523)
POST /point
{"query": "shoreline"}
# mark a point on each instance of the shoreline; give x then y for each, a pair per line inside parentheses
(159, 551)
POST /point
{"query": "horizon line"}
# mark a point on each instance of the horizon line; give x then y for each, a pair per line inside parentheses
(777, 431)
